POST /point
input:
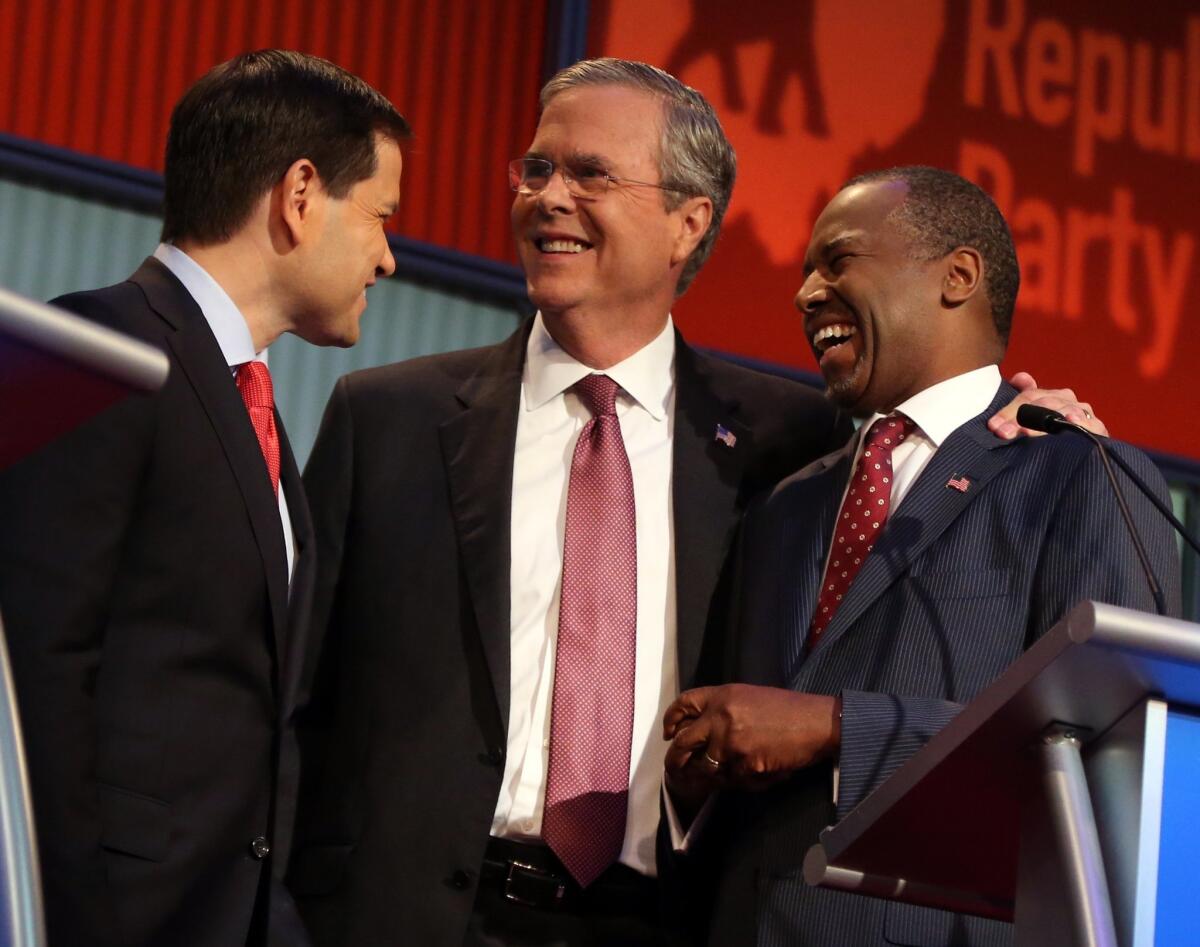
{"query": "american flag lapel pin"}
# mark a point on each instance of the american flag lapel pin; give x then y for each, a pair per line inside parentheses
(961, 484)
(725, 436)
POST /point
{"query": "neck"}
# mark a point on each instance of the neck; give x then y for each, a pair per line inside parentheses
(600, 343)
(241, 269)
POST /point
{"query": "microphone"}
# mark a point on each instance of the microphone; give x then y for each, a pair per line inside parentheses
(1046, 420)
(1037, 418)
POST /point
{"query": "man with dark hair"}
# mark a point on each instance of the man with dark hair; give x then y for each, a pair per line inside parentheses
(885, 585)
(156, 564)
(520, 549)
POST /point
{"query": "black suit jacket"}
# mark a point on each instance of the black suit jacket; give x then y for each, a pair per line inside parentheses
(410, 484)
(144, 588)
(957, 586)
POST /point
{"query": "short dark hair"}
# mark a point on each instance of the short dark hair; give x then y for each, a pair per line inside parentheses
(942, 211)
(695, 158)
(238, 129)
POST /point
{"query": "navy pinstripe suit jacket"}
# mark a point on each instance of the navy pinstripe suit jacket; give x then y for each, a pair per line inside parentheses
(958, 585)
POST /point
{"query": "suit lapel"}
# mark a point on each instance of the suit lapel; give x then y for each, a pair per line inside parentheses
(199, 357)
(705, 479)
(477, 448)
(301, 586)
(818, 505)
(928, 509)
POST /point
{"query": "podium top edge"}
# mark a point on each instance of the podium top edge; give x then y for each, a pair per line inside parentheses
(65, 335)
(1134, 632)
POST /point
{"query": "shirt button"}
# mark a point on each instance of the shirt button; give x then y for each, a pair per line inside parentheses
(460, 879)
(260, 848)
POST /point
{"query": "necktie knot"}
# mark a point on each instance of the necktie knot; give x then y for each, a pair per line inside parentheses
(254, 383)
(889, 432)
(598, 394)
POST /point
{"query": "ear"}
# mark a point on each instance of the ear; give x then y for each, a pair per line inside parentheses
(963, 276)
(695, 217)
(300, 194)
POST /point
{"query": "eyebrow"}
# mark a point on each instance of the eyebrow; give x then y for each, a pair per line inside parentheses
(576, 157)
(831, 246)
(840, 241)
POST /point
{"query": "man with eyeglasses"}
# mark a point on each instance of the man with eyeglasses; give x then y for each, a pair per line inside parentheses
(521, 548)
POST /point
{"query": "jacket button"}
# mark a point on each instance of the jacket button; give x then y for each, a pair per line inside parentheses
(260, 848)
(493, 757)
(460, 880)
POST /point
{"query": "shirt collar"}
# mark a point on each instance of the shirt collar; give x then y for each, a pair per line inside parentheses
(942, 408)
(220, 312)
(647, 376)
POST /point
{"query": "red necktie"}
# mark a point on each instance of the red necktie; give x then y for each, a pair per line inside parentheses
(591, 721)
(861, 518)
(254, 383)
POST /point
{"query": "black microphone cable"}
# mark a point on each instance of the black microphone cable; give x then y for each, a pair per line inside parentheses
(1037, 418)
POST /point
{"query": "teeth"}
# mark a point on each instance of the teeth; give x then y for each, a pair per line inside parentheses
(838, 332)
(561, 246)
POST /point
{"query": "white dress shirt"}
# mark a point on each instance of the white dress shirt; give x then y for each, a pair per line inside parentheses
(937, 412)
(233, 336)
(548, 425)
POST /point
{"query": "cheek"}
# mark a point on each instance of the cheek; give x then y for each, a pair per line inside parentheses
(518, 214)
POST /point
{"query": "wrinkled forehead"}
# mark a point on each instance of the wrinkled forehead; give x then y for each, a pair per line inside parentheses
(595, 117)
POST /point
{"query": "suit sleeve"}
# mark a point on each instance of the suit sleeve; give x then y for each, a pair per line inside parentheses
(1085, 554)
(64, 514)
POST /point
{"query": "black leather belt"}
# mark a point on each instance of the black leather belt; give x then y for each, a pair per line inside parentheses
(533, 876)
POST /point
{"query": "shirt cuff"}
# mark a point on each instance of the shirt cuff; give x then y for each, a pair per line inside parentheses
(682, 841)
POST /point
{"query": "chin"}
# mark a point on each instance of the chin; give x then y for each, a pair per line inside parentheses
(337, 336)
(548, 300)
(849, 394)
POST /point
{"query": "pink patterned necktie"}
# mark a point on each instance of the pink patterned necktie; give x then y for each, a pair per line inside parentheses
(254, 383)
(591, 721)
(861, 518)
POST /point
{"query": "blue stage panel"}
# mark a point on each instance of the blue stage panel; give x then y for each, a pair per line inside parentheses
(1177, 919)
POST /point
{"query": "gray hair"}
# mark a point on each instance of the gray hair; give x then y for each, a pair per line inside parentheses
(695, 158)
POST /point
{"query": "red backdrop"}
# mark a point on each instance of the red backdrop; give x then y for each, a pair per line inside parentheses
(100, 77)
(1081, 119)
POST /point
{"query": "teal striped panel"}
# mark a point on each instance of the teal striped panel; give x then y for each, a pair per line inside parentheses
(53, 243)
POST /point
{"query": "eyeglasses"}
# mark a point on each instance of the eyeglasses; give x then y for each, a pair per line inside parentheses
(532, 175)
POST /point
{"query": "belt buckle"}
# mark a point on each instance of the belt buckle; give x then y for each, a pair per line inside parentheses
(543, 881)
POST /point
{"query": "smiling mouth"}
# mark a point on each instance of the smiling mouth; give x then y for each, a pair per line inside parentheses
(560, 245)
(831, 337)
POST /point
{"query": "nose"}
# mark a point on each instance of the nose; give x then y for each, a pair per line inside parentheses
(556, 196)
(812, 293)
(387, 263)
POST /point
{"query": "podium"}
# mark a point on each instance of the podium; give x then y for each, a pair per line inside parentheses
(1064, 798)
(56, 370)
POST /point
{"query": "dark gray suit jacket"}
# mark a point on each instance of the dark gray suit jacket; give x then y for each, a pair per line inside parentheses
(410, 486)
(143, 580)
(958, 585)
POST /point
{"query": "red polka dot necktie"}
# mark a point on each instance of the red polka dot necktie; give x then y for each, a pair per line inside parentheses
(591, 719)
(861, 518)
(254, 383)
